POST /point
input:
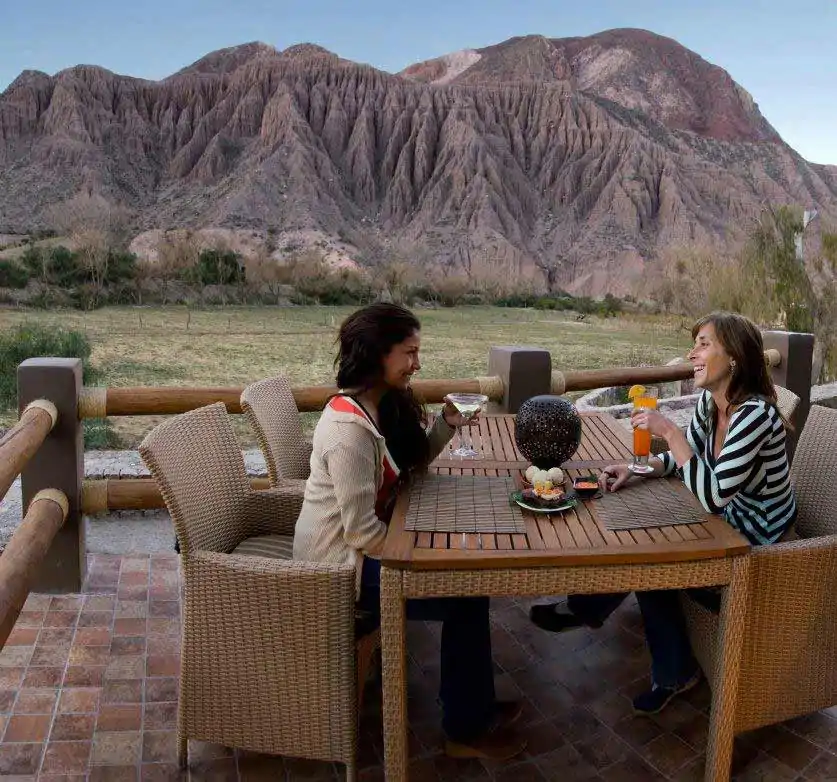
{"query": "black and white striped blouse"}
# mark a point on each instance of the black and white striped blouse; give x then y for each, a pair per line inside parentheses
(749, 482)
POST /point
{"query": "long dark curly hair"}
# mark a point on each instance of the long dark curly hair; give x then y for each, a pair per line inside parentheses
(364, 340)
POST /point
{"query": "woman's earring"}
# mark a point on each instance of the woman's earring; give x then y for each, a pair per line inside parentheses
(732, 366)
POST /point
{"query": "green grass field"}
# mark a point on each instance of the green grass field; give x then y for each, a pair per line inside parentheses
(163, 346)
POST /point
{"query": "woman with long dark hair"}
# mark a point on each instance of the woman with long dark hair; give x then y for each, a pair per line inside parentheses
(370, 437)
(733, 459)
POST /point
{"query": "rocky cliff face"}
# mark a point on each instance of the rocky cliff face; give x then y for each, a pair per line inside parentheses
(578, 159)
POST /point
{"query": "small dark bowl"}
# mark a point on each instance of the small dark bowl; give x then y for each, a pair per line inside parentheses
(586, 493)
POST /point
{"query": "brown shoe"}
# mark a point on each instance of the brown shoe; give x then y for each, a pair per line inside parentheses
(495, 744)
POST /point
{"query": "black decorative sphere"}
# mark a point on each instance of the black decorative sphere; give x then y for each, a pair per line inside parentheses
(547, 430)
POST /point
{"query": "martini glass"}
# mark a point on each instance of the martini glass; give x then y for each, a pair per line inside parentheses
(468, 405)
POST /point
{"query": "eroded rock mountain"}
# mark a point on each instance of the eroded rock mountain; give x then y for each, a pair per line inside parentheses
(579, 159)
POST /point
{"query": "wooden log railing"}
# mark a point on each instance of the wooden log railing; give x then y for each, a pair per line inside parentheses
(25, 551)
(46, 513)
(20, 443)
(101, 402)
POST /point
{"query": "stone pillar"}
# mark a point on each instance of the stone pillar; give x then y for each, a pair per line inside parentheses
(58, 464)
(525, 371)
(794, 373)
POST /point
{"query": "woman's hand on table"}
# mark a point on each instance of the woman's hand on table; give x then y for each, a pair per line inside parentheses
(614, 476)
(454, 418)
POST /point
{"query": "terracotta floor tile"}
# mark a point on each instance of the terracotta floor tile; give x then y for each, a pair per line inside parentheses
(27, 727)
(115, 774)
(159, 746)
(93, 636)
(36, 701)
(116, 749)
(79, 700)
(56, 636)
(121, 691)
(135, 578)
(136, 564)
(129, 627)
(163, 665)
(132, 593)
(43, 677)
(66, 603)
(159, 645)
(73, 727)
(99, 602)
(157, 626)
(127, 645)
(161, 689)
(20, 759)
(164, 592)
(170, 772)
(131, 609)
(50, 655)
(119, 717)
(30, 619)
(7, 700)
(128, 666)
(37, 602)
(22, 636)
(84, 676)
(96, 619)
(16, 656)
(668, 754)
(84, 654)
(11, 677)
(168, 609)
(160, 716)
(66, 757)
(61, 619)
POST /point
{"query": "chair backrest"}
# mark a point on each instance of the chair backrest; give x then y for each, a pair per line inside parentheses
(199, 468)
(786, 401)
(813, 471)
(271, 410)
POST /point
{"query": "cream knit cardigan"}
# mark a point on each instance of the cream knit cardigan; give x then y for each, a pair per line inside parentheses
(337, 522)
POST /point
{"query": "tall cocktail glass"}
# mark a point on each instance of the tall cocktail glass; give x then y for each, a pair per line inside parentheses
(643, 399)
(468, 406)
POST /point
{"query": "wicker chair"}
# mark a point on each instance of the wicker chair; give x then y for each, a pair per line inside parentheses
(269, 652)
(786, 401)
(271, 411)
(789, 660)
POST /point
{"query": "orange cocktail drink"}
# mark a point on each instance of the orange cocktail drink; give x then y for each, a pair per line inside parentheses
(643, 399)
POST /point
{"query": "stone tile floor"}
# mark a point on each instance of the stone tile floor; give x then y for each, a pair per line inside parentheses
(89, 683)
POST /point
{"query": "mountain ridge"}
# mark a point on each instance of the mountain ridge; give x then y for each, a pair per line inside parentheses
(582, 178)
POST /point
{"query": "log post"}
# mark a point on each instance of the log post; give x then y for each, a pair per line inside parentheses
(794, 373)
(57, 464)
(525, 372)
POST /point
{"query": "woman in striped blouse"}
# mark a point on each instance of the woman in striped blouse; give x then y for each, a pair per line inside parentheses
(733, 459)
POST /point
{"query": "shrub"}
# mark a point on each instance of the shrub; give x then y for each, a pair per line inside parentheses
(31, 340)
(12, 275)
(219, 267)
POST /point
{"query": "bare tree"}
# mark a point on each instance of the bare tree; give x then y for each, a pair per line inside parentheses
(95, 228)
(177, 251)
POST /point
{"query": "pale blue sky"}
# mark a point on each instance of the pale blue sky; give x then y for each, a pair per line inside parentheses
(777, 50)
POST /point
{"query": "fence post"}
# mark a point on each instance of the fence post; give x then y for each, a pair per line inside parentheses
(58, 464)
(794, 373)
(525, 371)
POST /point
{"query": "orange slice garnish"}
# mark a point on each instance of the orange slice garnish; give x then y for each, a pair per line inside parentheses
(636, 391)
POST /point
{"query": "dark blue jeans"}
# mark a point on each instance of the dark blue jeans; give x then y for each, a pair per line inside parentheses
(672, 661)
(467, 674)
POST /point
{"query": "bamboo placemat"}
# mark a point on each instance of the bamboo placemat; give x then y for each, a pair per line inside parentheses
(463, 503)
(650, 503)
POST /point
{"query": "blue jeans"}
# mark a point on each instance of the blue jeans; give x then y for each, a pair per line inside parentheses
(467, 672)
(672, 660)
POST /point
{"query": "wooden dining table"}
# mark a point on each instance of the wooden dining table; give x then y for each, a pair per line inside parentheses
(555, 554)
